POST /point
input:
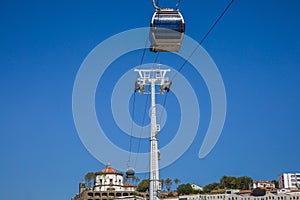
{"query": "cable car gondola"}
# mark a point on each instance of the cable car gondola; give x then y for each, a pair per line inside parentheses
(166, 30)
(130, 172)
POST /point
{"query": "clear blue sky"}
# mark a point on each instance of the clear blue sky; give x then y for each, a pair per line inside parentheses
(256, 47)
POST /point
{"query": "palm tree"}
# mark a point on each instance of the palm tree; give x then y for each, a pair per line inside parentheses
(162, 182)
(168, 183)
(89, 177)
(176, 181)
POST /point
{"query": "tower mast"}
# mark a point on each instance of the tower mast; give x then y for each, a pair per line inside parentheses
(153, 78)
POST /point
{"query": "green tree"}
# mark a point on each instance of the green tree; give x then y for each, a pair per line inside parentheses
(223, 181)
(211, 187)
(143, 186)
(184, 189)
(275, 183)
(229, 182)
(168, 183)
(243, 182)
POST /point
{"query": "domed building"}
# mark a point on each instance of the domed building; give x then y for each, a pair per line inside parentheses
(110, 179)
(108, 185)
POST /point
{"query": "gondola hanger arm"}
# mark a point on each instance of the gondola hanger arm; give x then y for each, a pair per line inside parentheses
(155, 6)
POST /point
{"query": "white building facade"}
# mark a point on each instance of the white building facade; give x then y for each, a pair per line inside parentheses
(196, 187)
(110, 179)
(268, 196)
(262, 184)
(289, 180)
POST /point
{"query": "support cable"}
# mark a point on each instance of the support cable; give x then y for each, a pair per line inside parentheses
(142, 129)
(205, 36)
(201, 42)
(177, 4)
(133, 105)
(164, 104)
(131, 129)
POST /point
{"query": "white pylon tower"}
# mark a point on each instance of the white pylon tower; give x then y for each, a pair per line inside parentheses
(152, 78)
